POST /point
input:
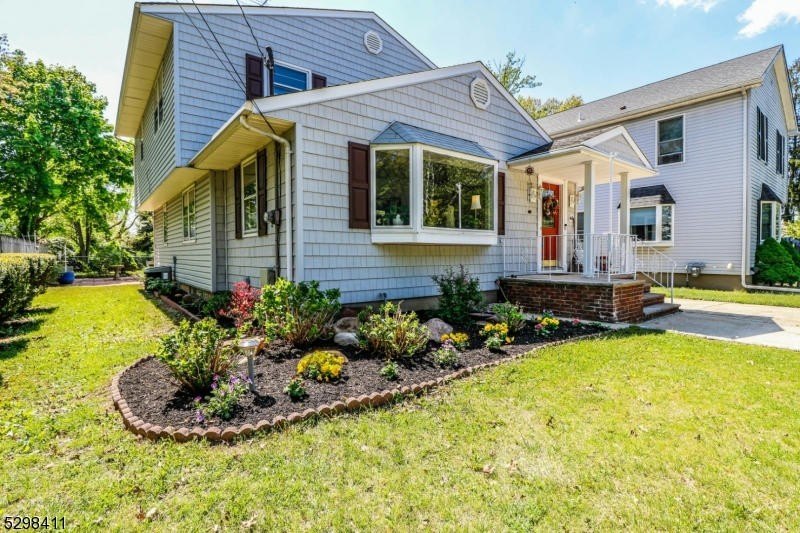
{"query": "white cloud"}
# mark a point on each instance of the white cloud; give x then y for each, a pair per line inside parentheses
(705, 5)
(765, 13)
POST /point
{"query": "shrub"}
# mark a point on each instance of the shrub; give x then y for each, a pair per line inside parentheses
(223, 399)
(22, 277)
(496, 335)
(774, 265)
(296, 312)
(216, 304)
(242, 302)
(460, 294)
(511, 314)
(459, 340)
(793, 251)
(195, 354)
(390, 370)
(392, 333)
(295, 389)
(322, 365)
(446, 356)
(162, 286)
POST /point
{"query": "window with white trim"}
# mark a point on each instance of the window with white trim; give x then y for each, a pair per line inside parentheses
(653, 224)
(188, 214)
(769, 225)
(762, 137)
(780, 144)
(158, 100)
(670, 140)
(164, 228)
(290, 79)
(249, 196)
(431, 195)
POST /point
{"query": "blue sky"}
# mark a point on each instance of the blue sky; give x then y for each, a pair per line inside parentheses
(588, 47)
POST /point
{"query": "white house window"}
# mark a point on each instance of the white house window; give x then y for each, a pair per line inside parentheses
(670, 140)
(392, 187)
(769, 221)
(290, 79)
(249, 197)
(653, 224)
(762, 137)
(780, 143)
(457, 193)
(189, 227)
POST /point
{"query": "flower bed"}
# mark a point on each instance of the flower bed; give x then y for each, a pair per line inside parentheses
(154, 405)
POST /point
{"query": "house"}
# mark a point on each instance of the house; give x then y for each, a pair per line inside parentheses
(317, 144)
(718, 138)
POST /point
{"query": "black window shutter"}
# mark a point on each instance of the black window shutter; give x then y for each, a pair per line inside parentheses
(318, 81)
(359, 185)
(237, 201)
(261, 178)
(501, 203)
(254, 76)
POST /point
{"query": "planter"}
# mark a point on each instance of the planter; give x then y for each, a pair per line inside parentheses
(66, 278)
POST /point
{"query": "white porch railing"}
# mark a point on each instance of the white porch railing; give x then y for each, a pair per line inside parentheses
(657, 267)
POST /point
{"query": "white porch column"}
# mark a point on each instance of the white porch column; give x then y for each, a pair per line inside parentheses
(588, 218)
(624, 203)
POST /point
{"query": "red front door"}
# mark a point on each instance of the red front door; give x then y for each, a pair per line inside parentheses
(550, 206)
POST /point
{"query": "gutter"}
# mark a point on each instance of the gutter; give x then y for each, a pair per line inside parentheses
(287, 171)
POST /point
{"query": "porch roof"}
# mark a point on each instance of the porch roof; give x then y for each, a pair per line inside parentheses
(768, 195)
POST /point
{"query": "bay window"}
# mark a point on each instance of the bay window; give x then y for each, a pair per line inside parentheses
(457, 193)
(653, 224)
(769, 221)
(392, 187)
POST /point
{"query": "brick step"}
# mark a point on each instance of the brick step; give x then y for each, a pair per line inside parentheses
(647, 287)
(652, 298)
(656, 310)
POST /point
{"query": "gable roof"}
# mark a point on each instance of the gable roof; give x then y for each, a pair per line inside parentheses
(401, 133)
(734, 74)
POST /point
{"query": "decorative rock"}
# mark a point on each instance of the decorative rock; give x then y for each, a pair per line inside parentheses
(346, 338)
(436, 328)
(348, 324)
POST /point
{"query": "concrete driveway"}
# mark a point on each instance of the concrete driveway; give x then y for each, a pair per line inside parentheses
(750, 324)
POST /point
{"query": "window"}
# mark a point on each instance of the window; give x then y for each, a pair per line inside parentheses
(164, 229)
(457, 193)
(188, 213)
(158, 101)
(653, 224)
(392, 187)
(141, 149)
(780, 144)
(579, 226)
(249, 197)
(290, 79)
(670, 140)
(762, 125)
(769, 221)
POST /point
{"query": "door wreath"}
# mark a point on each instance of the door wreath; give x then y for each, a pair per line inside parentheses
(549, 206)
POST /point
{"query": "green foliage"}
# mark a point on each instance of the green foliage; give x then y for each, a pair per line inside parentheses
(460, 294)
(459, 340)
(391, 333)
(295, 389)
(296, 312)
(212, 306)
(223, 400)
(446, 356)
(510, 74)
(23, 276)
(792, 250)
(511, 314)
(162, 286)
(774, 265)
(390, 370)
(321, 365)
(195, 354)
(538, 108)
(496, 335)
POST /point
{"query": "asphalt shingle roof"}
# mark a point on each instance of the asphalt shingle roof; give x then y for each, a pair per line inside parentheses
(401, 133)
(707, 80)
(649, 196)
(768, 195)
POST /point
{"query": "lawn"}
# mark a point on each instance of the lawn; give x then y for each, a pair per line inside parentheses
(640, 431)
(739, 297)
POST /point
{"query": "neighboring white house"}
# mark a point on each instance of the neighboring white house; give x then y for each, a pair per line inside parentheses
(718, 138)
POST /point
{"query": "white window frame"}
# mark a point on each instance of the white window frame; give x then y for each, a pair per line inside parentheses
(158, 90)
(658, 231)
(775, 220)
(764, 136)
(304, 70)
(190, 224)
(242, 197)
(416, 232)
(682, 116)
(780, 153)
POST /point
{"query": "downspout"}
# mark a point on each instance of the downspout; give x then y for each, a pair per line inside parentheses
(287, 171)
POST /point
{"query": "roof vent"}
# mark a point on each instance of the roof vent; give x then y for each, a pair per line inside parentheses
(479, 92)
(373, 42)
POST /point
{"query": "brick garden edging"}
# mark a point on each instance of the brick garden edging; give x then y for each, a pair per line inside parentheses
(183, 434)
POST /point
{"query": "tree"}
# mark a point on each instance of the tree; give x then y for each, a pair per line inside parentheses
(792, 211)
(511, 74)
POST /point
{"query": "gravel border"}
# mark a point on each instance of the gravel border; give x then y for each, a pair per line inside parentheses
(183, 434)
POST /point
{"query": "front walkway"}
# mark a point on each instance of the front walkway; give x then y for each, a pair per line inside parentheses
(749, 324)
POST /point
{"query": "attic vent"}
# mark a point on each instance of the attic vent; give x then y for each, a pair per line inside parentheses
(373, 42)
(479, 92)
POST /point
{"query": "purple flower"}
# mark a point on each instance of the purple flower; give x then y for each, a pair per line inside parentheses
(200, 418)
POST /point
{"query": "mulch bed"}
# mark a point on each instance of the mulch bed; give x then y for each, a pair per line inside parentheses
(152, 395)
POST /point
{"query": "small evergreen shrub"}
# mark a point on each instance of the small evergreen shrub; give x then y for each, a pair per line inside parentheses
(793, 251)
(774, 265)
(321, 365)
(296, 312)
(223, 400)
(511, 314)
(295, 389)
(391, 333)
(459, 340)
(446, 356)
(195, 354)
(460, 294)
(22, 277)
(391, 370)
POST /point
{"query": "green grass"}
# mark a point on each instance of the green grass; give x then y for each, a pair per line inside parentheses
(739, 297)
(641, 431)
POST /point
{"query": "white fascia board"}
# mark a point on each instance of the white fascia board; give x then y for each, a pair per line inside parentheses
(623, 131)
